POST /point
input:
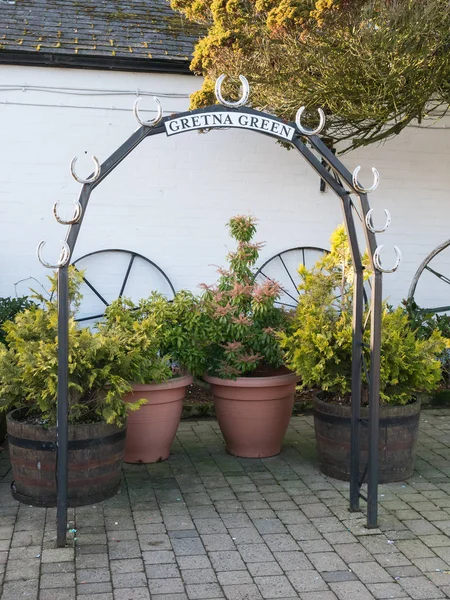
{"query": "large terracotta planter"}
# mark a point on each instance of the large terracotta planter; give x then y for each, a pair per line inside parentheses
(95, 462)
(152, 428)
(399, 432)
(254, 412)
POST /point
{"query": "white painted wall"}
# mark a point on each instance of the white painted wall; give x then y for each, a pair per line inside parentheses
(170, 199)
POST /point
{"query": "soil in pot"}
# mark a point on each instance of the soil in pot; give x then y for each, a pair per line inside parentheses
(95, 461)
(254, 412)
(399, 433)
(152, 428)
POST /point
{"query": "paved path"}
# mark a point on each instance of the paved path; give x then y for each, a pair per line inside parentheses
(205, 525)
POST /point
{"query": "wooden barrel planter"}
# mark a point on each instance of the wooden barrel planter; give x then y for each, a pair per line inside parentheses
(2, 427)
(95, 462)
(399, 432)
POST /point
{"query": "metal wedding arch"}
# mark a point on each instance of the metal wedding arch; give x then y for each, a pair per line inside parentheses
(343, 183)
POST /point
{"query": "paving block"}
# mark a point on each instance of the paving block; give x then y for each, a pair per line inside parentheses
(255, 553)
(275, 586)
(280, 542)
(318, 596)
(194, 562)
(57, 580)
(386, 590)
(414, 549)
(158, 557)
(129, 580)
(307, 581)
(60, 594)
(57, 555)
(226, 561)
(168, 585)
(247, 591)
(128, 565)
(327, 561)
(188, 546)
(421, 588)
(190, 576)
(235, 577)
(370, 572)
(92, 561)
(125, 549)
(351, 590)
(206, 591)
(17, 570)
(21, 589)
(261, 569)
(131, 594)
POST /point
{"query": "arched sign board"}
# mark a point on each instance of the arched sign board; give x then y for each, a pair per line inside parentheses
(225, 119)
(343, 184)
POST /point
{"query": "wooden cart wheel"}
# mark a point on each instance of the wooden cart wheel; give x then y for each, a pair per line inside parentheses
(429, 287)
(283, 268)
(111, 274)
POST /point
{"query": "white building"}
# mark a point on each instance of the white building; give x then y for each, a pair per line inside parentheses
(69, 74)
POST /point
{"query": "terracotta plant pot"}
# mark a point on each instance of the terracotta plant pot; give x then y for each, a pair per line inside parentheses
(152, 428)
(399, 433)
(254, 412)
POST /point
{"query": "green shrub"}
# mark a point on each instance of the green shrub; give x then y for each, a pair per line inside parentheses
(98, 363)
(424, 323)
(318, 346)
(173, 332)
(240, 321)
(9, 307)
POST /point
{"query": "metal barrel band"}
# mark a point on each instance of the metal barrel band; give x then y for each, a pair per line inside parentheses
(384, 422)
(72, 444)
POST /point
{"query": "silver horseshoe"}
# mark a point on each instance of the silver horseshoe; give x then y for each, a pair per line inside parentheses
(359, 187)
(63, 258)
(370, 225)
(73, 220)
(377, 262)
(152, 122)
(304, 130)
(242, 100)
(94, 177)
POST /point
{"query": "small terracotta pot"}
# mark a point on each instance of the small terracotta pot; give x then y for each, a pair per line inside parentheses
(254, 412)
(152, 429)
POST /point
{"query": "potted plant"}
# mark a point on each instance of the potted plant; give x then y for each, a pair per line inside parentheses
(253, 391)
(97, 413)
(9, 307)
(319, 347)
(161, 372)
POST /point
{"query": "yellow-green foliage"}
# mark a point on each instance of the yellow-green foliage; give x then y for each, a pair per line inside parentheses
(319, 345)
(98, 364)
(372, 65)
(173, 333)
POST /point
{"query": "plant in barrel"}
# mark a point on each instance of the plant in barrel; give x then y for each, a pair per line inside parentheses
(98, 363)
(318, 346)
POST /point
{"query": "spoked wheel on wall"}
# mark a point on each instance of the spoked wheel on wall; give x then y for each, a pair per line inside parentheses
(283, 268)
(134, 276)
(430, 285)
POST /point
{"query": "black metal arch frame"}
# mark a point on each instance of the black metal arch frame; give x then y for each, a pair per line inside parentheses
(340, 181)
(133, 256)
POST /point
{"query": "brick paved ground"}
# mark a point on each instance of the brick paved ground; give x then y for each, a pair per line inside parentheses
(205, 525)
